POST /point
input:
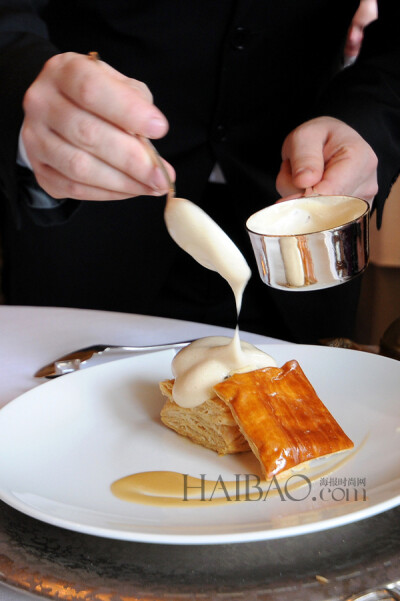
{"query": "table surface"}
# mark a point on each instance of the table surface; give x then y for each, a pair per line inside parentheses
(33, 336)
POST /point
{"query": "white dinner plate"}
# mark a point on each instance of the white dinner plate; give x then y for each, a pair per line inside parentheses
(62, 444)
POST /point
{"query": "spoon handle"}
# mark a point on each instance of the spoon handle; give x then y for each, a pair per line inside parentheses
(74, 360)
(157, 162)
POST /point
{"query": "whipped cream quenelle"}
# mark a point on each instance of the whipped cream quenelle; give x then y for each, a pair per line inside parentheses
(207, 361)
(306, 215)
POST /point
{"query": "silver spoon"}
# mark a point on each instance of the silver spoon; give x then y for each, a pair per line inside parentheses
(74, 360)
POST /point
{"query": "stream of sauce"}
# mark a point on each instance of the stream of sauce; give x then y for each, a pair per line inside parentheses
(205, 362)
(198, 235)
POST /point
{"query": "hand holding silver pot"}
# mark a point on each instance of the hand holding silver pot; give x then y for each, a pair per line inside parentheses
(311, 242)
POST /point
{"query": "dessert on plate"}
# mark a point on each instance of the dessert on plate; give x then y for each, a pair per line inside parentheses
(274, 411)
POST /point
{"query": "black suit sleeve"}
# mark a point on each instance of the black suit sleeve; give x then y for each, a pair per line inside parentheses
(24, 48)
(367, 96)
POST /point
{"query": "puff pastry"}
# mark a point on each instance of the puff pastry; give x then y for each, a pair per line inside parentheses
(210, 424)
(281, 416)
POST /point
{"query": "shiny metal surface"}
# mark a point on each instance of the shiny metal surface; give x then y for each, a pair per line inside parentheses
(313, 261)
(75, 359)
(338, 564)
(391, 592)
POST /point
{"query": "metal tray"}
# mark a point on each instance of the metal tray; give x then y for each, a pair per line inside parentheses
(334, 564)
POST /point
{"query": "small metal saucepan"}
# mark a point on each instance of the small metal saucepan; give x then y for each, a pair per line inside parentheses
(311, 242)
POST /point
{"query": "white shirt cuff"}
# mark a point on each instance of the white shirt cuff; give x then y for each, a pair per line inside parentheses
(22, 157)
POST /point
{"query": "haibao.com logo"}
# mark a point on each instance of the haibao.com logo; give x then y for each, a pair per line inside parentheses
(250, 487)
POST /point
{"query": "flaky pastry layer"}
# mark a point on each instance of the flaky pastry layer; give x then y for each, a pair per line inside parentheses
(210, 424)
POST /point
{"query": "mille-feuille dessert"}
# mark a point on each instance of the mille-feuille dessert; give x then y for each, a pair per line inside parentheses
(273, 411)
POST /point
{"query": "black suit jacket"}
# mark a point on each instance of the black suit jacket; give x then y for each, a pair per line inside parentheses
(233, 78)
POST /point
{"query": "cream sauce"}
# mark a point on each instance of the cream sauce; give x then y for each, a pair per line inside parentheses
(197, 234)
(207, 361)
(306, 215)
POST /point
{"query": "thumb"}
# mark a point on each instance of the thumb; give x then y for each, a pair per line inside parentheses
(305, 152)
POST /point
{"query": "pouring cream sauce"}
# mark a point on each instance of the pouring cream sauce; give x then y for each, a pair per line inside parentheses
(205, 362)
(198, 235)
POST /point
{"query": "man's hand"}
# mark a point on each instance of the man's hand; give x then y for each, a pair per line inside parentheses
(364, 15)
(80, 120)
(330, 157)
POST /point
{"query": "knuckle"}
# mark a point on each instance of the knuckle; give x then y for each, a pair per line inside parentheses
(87, 91)
(299, 132)
(56, 61)
(47, 185)
(74, 190)
(87, 132)
(33, 100)
(144, 91)
(55, 66)
(39, 176)
(49, 66)
(40, 170)
(79, 165)
(304, 129)
(373, 160)
(73, 69)
(130, 163)
(28, 136)
(139, 88)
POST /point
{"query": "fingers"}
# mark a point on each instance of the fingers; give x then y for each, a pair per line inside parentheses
(80, 121)
(347, 172)
(125, 103)
(100, 140)
(330, 157)
(59, 186)
(83, 170)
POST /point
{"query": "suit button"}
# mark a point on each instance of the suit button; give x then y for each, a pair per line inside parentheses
(239, 38)
(220, 133)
